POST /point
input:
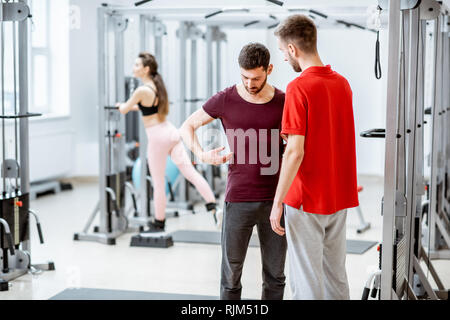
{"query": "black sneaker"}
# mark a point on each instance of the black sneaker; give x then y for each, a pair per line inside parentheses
(156, 226)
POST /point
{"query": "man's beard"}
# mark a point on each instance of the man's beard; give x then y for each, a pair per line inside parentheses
(255, 90)
(294, 64)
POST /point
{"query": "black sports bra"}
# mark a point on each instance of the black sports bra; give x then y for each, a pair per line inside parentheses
(149, 110)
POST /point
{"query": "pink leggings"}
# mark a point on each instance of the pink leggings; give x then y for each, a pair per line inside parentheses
(163, 140)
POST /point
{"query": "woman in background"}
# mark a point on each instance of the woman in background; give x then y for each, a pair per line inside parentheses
(163, 139)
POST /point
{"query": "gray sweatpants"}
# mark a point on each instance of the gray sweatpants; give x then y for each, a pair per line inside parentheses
(317, 251)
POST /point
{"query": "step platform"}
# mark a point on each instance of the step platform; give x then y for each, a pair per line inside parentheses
(152, 240)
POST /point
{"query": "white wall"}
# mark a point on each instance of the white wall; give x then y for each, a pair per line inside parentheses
(51, 136)
(352, 54)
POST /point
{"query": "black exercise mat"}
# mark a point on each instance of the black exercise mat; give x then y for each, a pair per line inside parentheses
(359, 246)
(106, 294)
(205, 237)
(213, 237)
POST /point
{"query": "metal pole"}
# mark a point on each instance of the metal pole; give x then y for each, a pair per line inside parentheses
(2, 75)
(209, 88)
(400, 210)
(218, 65)
(158, 48)
(390, 151)
(24, 44)
(182, 54)
(103, 60)
(193, 70)
(23, 105)
(420, 116)
(144, 202)
(15, 104)
(143, 32)
(209, 62)
(412, 177)
(435, 140)
(182, 96)
(118, 147)
(119, 143)
(446, 105)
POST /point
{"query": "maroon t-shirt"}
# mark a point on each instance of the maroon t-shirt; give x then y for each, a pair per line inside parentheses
(253, 134)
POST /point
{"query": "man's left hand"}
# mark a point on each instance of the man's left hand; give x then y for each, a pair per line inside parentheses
(275, 218)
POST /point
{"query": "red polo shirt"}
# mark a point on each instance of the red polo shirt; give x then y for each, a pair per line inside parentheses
(318, 105)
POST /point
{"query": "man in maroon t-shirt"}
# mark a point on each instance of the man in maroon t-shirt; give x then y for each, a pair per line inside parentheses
(251, 115)
(318, 176)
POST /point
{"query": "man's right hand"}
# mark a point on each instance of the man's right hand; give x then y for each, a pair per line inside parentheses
(214, 157)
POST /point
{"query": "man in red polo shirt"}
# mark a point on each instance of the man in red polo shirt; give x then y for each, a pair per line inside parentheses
(318, 175)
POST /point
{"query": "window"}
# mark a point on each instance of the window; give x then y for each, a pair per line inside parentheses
(49, 61)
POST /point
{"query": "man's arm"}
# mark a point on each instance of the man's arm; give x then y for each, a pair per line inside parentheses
(187, 131)
(292, 159)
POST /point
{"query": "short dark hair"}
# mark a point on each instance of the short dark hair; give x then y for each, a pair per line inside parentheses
(300, 30)
(254, 55)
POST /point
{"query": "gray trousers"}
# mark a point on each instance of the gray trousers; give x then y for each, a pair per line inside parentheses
(238, 222)
(317, 251)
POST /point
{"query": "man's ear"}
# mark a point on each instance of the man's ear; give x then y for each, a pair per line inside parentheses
(292, 49)
(269, 69)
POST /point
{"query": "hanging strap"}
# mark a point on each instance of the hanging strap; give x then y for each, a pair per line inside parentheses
(377, 46)
(377, 57)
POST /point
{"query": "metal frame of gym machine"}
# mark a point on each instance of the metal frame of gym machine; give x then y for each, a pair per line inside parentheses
(151, 37)
(112, 177)
(189, 31)
(439, 202)
(402, 275)
(111, 208)
(15, 200)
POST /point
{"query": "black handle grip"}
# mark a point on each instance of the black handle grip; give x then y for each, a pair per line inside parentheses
(213, 14)
(10, 243)
(320, 14)
(172, 196)
(113, 204)
(365, 295)
(18, 116)
(116, 208)
(373, 133)
(41, 237)
(137, 4)
(374, 293)
(133, 198)
(280, 3)
(194, 100)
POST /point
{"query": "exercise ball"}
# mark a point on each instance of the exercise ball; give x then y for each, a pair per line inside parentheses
(171, 173)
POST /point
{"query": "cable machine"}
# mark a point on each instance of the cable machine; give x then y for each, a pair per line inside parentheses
(401, 274)
(112, 173)
(15, 212)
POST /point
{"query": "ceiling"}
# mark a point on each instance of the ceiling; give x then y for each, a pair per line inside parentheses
(260, 13)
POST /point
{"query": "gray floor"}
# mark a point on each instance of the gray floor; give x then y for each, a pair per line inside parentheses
(184, 269)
